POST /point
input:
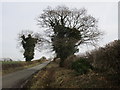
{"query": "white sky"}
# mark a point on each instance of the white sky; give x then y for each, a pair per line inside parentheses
(21, 16)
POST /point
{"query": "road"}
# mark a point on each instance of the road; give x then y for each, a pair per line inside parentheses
(16, 79)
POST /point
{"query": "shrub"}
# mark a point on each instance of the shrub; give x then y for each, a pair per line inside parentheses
(68, 62)
(107, 58)
(81, 66)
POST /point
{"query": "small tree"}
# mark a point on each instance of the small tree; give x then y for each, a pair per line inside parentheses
(28, 41)
(71, 28)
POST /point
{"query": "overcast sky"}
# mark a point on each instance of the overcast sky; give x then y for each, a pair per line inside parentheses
(21, 16)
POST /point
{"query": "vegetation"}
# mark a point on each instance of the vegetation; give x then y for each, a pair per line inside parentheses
(67, 29)
(107, 59)
(28, 41)
(71, 28)
(53, 76)
(68, 62)
(81, 66)
(12, 66)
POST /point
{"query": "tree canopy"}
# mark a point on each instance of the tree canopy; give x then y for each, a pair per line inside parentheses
(70, 27)
(29, 40)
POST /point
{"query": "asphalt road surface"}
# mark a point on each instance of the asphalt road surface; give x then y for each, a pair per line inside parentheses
(16, 79)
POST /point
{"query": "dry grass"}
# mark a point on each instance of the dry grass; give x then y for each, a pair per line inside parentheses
(68, 62)
(12, 66)
(53, 76)
(105, 74)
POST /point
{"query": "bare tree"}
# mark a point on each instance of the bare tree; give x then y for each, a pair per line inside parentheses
(71, 28)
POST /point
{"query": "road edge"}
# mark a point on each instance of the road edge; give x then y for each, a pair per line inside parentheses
(29, 78)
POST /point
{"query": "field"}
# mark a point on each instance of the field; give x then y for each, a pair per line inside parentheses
(12, 66)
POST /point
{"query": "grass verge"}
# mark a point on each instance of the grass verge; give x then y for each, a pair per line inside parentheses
(12, 66)
(52, 76)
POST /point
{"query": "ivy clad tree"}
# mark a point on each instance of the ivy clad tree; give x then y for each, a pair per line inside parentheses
(70, 27)
(29, 40)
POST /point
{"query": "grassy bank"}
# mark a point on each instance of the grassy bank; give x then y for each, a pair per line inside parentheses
(55, 77)
(12, 66)
(99, 68)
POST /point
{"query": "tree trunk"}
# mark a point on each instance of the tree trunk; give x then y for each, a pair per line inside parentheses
(28, 59)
